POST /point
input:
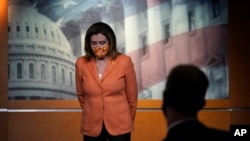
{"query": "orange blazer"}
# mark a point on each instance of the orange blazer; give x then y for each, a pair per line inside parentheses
(111, 100)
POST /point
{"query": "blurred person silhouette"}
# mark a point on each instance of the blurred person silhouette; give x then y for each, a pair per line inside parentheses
(106, 87)
(183, 98)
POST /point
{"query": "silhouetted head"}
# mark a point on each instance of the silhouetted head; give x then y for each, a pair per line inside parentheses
(185, 89)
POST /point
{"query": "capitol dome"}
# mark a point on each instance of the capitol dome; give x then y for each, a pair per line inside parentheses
(41, 63)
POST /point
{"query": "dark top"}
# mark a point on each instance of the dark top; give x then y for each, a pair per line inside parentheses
(195, 130)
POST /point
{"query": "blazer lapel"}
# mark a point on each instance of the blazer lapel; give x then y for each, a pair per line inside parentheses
(93, 70)
(110, 65)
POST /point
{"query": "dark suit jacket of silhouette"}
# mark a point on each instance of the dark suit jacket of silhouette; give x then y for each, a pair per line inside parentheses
(194, 130)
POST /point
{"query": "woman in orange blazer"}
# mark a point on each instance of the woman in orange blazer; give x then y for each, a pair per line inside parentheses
(106, 87)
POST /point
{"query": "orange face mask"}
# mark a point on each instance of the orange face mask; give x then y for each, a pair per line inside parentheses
(101, 52)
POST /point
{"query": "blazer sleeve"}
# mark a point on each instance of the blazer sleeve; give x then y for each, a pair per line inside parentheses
(78, 81)
(131, 88)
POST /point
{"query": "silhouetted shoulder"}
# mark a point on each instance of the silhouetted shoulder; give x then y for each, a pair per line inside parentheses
(218, 134)
(195, 130)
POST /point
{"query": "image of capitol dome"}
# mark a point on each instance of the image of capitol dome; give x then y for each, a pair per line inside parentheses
(46, 37)
(41, 63)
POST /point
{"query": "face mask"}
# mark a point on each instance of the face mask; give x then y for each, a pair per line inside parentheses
(100, 52)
